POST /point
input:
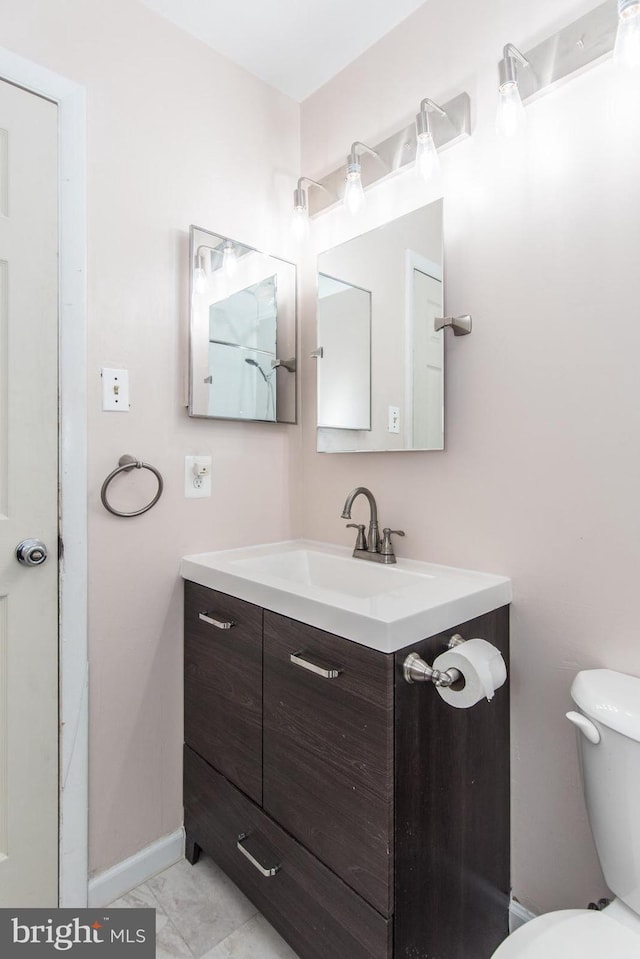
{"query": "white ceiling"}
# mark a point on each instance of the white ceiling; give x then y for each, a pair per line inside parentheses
(293, 45)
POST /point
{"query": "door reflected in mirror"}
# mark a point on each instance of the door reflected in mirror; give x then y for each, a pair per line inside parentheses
(242, 335)
(380, 361)
(344, 373)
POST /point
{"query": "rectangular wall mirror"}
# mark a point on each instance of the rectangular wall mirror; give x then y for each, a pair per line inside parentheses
(380, 362)
(242, 341)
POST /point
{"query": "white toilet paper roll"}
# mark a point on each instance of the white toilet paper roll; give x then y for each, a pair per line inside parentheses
(482, 667)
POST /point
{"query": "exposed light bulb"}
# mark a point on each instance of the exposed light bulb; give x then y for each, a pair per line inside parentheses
(354, 199)
(300, 223)
(229, 259)
(510, 119)
(200, 278)
(627, 49)
(427, 159)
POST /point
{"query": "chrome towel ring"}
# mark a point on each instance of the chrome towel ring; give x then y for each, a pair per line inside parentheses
(127, 463)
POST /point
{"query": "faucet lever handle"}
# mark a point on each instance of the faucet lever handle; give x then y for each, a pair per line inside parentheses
(361, 542)
(386, 548)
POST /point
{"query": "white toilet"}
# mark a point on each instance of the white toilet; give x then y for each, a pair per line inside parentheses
(609, 748)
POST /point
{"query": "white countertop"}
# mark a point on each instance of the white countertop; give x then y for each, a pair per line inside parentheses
(382, 607)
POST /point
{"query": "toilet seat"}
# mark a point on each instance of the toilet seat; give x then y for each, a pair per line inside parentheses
(571, 934)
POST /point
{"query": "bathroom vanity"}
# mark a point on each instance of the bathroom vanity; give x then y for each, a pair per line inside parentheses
(364, 817)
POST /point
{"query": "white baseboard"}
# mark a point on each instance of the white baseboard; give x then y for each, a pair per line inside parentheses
(110, 885)
(518, 915)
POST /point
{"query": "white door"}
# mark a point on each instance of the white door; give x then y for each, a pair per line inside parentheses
(428, 363)
(28, 500)
(344, 367)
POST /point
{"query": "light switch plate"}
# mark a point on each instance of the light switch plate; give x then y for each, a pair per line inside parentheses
(115, 390)
(197, 476)
(394, 419)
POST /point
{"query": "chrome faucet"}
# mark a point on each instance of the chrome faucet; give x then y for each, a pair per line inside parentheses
(370, 547)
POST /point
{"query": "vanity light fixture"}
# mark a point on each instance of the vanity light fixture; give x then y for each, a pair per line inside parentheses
(368, 165)
(300, 221)
(627, 48)
(510, 119)
(427, 160)
(354, 200)
(612, 24)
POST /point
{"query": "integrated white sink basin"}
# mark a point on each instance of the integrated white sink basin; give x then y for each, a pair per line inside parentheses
(383, 607)
(312, 567)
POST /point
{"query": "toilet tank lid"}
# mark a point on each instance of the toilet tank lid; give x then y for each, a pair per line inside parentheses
(611, 698)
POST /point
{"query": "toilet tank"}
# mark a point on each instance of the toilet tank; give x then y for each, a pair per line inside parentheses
(611, 775)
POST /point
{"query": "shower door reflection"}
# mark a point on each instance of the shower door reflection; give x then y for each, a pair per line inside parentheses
(242, 353)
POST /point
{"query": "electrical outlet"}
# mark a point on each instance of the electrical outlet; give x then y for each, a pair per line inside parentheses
(394, 420)
(197, 476)
(115, 390)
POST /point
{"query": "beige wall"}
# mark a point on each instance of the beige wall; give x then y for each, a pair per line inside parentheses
(541, 474)
(176, 135)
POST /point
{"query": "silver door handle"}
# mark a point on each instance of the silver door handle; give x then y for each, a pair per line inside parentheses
(266, 871)
(297, 660)
(31, 552)
(210, 617)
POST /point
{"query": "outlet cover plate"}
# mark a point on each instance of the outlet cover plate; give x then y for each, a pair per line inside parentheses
(197, 476)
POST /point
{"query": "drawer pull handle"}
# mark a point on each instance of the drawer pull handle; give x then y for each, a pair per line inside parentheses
(266, 871)
(297, 660)
(210, 617)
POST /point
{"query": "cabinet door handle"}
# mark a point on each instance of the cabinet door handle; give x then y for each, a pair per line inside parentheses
(266, 871)
(297, 660)
(210, 617)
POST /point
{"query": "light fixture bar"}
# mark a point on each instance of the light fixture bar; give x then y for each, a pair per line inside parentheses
(397, 152)
(569, 51)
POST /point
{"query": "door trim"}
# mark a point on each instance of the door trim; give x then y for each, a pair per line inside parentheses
(72, 298)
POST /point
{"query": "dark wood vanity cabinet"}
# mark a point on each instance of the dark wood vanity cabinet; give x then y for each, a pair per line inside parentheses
(328, 746)
(363, 816)
(223, 685)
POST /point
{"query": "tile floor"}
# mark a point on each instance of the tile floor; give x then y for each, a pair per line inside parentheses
(200, 914)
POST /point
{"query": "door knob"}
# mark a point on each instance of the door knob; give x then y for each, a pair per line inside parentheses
(31, 552)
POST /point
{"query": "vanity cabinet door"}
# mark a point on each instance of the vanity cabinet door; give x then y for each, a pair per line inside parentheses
(328, 751)
(223, 685)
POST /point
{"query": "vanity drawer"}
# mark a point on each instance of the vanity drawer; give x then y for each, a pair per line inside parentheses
(328, 751)
(223, 684)
(311, 908)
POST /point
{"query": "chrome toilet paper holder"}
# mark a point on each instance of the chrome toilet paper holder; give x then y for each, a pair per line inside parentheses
(415, 670)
